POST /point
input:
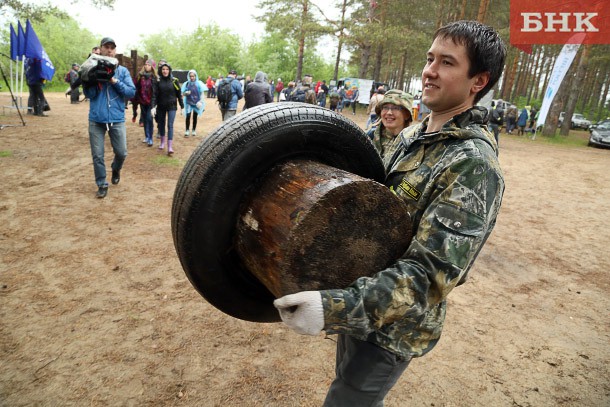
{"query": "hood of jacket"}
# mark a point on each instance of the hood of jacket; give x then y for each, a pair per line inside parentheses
(160, 70)
(188, 76)
(260, 77)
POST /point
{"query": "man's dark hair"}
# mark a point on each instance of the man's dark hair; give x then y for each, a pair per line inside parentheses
(486, 50)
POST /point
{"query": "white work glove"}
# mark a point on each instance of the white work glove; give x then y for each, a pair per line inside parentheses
(198, 105)
(302, 312)
(153, 111)
(188, 92)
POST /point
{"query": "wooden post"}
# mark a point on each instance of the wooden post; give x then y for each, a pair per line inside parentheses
(308, 226)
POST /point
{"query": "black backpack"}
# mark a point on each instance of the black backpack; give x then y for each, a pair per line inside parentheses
(298, 95)
(224, 93)
(496, 116)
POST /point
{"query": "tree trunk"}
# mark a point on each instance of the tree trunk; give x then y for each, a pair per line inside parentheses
(602, 100)
(573, 93)
(483, 5)
(308, 226)
(378, 63)
(302, 33)
(340, 42)
(462, 14)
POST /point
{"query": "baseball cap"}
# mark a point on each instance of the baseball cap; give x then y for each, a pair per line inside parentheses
(107, 40)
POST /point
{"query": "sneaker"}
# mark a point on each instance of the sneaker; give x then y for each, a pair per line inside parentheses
(193, 133)
(186, 133)
(145, 140)
(116, 176)
(101, 192)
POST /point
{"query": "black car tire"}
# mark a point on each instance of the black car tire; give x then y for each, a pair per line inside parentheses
(221, 169)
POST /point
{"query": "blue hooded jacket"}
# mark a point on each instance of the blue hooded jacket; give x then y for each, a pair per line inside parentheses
(197, 88)
(107, 101)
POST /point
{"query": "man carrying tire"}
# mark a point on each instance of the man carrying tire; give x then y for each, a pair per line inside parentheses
(447, 172)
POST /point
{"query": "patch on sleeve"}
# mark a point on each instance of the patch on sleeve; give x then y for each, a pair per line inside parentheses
(409, 189)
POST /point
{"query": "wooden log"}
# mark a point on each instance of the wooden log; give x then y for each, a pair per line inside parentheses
(308, 226)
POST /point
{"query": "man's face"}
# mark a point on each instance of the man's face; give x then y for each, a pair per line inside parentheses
(108, 50)
(447, 87)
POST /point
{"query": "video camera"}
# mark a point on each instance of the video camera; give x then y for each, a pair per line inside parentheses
(98, 68)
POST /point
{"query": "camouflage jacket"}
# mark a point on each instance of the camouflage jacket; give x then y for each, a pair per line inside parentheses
(382, 139)
(453, 185)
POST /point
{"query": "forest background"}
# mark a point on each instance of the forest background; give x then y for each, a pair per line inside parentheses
(383, 40)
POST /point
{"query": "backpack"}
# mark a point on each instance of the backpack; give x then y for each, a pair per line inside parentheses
(224, 93)
(496, 117)
(298, 95)
(67, 77)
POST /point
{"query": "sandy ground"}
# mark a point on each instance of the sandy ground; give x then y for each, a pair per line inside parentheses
(95, 309)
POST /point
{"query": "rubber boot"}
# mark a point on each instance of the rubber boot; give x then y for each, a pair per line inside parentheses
(170, 150)
(162, 145)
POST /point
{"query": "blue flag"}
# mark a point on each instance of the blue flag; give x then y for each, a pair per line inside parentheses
(14, 44)
(33, 49)
(20, 41)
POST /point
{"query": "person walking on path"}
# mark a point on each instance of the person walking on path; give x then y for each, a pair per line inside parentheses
(166, 96)
(107, 114)
(192, 97)
(145, 87)
(228, 108)
(257, 92)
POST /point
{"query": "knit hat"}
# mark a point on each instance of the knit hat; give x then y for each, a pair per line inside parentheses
(396, 97)
(151, 62)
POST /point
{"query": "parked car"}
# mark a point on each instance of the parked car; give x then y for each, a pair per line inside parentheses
(600, 134)
(578, 121)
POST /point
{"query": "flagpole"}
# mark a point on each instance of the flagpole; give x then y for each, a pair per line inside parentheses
(11, 91)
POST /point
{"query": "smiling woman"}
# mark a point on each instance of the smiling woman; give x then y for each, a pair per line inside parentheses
(396, 112)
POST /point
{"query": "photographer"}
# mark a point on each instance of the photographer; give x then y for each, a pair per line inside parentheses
(107, 85)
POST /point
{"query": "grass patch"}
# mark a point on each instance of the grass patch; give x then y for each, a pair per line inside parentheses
(169, 161)
(6, 153)
(574, 139)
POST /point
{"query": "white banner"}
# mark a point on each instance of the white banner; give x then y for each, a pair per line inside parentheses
(564, 60)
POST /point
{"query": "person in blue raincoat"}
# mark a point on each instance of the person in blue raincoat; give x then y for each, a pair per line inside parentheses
(192, 95)
(522, 121)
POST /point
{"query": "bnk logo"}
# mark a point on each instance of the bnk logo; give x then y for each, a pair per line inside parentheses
(559, 22)
(555, 22)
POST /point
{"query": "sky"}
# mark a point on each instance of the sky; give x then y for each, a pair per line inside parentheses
(132, 18)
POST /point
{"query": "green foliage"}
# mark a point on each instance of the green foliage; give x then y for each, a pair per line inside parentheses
(54, 33)
(209, 50)
(6, 153)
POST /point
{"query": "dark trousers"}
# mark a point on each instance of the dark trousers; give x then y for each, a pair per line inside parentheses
(37, 95)
(188, 120)
(365, 373)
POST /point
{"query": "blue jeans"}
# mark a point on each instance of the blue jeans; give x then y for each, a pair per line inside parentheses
(171, 116)
(365, 373)
(148, 121)
(118, 140)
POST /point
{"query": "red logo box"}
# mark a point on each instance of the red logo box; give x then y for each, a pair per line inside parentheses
(559, 22)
